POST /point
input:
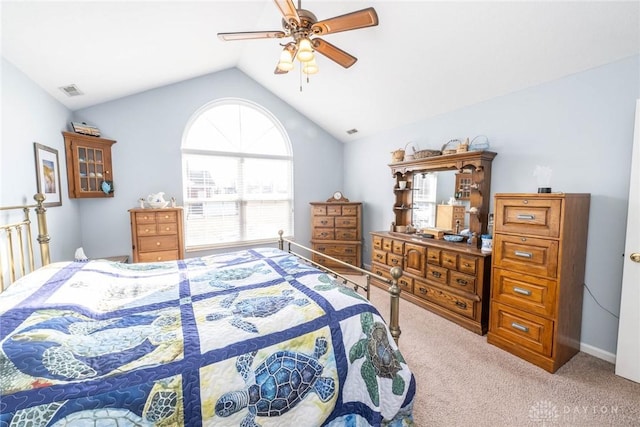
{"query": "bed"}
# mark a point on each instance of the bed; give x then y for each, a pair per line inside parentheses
(255, 337)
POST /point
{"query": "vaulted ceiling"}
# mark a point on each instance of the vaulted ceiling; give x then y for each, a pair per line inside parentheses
(423, 59)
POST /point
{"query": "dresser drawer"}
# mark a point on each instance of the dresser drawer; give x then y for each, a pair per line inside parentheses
(449, 259)
(335, 210)
(533, 294)
(158, 256)
(379, 256)
(406, 284)
(462, 281)
(145, 217)
(526, 254)
(335, 265)
(323, 221)
(395, 260)
(346, 222)
(336, 250)
(167, 227)
(346, 234)
(445, 299)
(157, 243)
(146, 229)
(350, 210)
(467, 264)
(522, 328)
(433, 256)
(437, 274)
(377, 242)
(319, 210)
(162, 217)
(539, 217)
(397, 247)
(387, 244)
(324, 233)
(380, 270)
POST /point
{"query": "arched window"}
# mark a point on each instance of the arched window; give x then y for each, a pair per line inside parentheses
(237, 176)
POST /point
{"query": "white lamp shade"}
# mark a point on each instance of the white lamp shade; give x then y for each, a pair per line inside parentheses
(310, 67)
(286, 61)
(305, 52)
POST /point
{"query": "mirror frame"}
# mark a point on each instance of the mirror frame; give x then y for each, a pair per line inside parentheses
(478, 162)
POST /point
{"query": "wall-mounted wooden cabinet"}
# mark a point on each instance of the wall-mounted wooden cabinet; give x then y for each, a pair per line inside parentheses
(88, 165)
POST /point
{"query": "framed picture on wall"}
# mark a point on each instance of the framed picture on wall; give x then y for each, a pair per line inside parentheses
(48, 174)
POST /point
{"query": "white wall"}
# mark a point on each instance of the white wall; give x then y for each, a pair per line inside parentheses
(148, 128)
(31, 115)
(581, 126)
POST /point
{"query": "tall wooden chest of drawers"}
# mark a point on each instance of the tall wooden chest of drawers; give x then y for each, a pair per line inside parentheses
(157, 234)
(449, 279)
(336, 230)
(539, 250)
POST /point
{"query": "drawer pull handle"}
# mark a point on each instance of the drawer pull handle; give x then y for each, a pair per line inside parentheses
(379, 273)
(404, 283)
(461, 304)
(527, 255)
(436, 274)
(394, 261)
(522, 291)
(423, 291)
(379, 256)
(157, 243)
(526, 216)
(466, 264)
(348, 250)
(324, 222)
(462, 282)
(519, 327)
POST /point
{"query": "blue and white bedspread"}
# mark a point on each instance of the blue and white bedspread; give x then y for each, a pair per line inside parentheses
(248, 338)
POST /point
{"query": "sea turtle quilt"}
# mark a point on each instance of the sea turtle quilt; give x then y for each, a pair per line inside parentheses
(247, 338)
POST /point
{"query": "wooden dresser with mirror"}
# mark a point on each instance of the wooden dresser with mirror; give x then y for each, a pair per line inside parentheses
(451, 279)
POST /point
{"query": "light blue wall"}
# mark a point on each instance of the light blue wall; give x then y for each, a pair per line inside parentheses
(31, 115)
(581, 126)
(146, 159)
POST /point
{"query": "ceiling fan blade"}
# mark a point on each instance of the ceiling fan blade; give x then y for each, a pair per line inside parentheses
(288, 11)
(350, 21)
(246, 35)
(334, 53)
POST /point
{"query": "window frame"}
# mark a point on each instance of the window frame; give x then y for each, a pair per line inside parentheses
(241, 156)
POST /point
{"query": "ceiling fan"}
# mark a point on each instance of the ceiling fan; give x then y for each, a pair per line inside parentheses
(304, 28)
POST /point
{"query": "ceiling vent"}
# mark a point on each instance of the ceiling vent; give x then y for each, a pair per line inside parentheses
(71, 90)
(352, 131)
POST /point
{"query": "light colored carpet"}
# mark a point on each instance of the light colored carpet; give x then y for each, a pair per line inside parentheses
(462, 380)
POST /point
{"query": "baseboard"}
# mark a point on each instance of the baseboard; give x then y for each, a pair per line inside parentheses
(597, 352)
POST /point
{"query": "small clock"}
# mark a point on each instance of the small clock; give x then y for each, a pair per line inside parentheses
(338, 197)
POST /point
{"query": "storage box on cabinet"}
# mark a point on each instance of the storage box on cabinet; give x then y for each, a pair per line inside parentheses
(447, 278)
(539, 252)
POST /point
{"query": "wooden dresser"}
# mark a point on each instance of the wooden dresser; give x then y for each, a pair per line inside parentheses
(336, 230)
(157, 234)
(450, 279)
(539, 250)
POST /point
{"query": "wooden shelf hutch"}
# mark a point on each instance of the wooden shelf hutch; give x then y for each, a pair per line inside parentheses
(449, 279)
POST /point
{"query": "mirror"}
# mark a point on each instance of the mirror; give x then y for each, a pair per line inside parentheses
(437, 175)
(434, 195)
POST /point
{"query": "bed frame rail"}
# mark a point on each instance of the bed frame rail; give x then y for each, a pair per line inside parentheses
(16, 243)
(394, 289)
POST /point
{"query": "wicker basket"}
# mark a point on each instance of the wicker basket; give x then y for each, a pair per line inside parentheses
(426, 153)
(397, 156)
(451, 146)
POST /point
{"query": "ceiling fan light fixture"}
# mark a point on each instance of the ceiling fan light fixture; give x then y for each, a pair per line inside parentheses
(286, 60)
(305, 51)
(310, 67)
